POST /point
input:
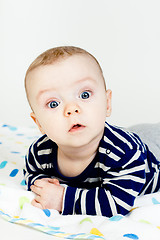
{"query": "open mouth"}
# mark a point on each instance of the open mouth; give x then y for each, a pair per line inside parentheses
(76, 127)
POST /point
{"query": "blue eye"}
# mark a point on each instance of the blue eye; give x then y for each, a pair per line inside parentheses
(85, 95)
(53, 104)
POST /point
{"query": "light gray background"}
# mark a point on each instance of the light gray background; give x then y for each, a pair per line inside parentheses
(124, 35)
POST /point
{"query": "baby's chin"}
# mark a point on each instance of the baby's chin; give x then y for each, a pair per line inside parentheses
(74, 144)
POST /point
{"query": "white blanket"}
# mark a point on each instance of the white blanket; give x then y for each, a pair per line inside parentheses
(142, 223)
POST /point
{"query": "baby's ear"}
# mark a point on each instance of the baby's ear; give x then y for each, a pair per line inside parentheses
(33, 116)
(109, 102)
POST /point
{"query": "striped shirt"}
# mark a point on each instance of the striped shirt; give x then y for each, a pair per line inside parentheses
(122, 169)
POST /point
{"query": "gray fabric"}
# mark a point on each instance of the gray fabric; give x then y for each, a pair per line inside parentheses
(149, 134)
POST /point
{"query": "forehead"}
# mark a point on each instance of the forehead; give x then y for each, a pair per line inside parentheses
(63, 71)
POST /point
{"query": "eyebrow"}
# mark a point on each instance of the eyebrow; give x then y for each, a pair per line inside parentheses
(44, 91)
(77, 82)
(86, 79)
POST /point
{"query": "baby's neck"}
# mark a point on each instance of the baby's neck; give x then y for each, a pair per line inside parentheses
(73, 161)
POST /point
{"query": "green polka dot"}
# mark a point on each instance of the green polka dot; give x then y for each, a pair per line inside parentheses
(22, 201)
(2, 184)
(86, 220)
(144, 221)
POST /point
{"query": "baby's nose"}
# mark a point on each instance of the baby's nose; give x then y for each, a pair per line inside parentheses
(71, 109)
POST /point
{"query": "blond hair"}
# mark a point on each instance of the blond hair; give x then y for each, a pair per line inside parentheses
(53, 55)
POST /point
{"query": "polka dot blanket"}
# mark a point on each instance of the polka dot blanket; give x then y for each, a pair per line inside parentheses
(143, 222)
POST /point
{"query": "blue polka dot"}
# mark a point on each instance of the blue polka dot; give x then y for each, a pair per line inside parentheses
(15, 152)
(4, 125)
(0, 142)
(12, 128)
(116, 218)
(154, 201)
(30, 137)
(14, 173)
(47, 212)
(131, 236)
(35, 225)
(3, 164)
(54, 228)
(20, 134)
(23, 183)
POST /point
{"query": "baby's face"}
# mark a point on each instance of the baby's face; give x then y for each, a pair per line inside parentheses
(69, 100)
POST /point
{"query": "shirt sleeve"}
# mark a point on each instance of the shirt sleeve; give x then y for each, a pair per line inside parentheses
(33, 169)
(116, 195)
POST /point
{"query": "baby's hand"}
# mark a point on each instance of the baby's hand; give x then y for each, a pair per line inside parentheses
(49, 194)
(52, 180)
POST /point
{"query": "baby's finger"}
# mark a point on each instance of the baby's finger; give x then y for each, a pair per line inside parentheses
(36, 204)
(36, 189)
(45, 179)
(54, 181)
(39, 183)
(38, 199)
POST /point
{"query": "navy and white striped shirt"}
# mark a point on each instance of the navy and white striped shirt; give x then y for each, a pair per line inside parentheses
(122, 169)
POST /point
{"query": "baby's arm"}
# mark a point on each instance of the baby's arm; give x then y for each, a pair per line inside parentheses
(37, 163)
(49, 194)
(116, 195)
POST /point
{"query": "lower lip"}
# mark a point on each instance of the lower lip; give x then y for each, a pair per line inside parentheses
(77, 129)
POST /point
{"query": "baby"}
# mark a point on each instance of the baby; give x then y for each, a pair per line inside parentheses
(81, 164)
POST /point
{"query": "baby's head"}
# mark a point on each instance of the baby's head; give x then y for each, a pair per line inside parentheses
(54, 55)
(66, 90)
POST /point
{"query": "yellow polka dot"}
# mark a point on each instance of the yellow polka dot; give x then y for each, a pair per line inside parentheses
(13, 162)
(16, 216)
(95, 231)
(62, 235)
(158, 227)
(19, 142)
(25, 221)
